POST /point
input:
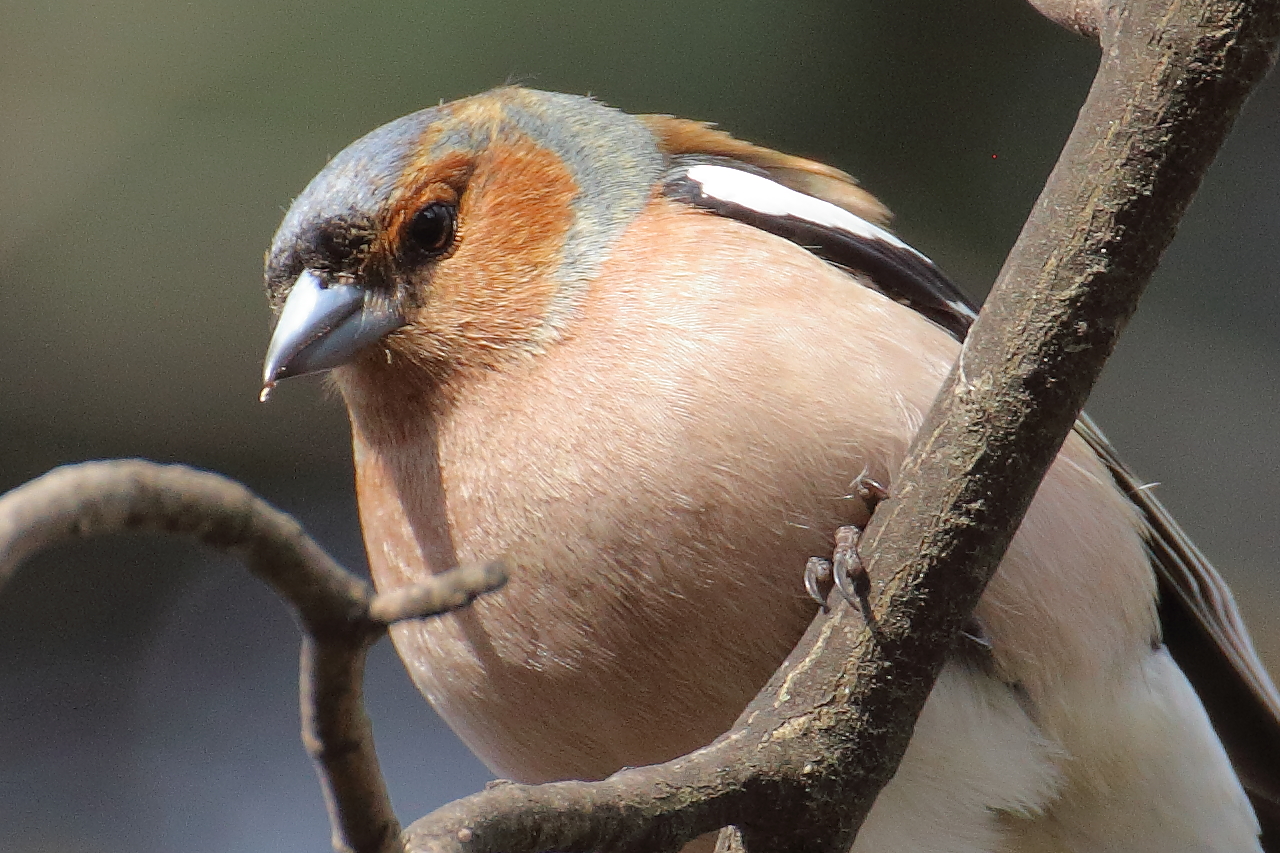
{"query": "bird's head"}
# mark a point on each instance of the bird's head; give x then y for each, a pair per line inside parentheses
(456, 236)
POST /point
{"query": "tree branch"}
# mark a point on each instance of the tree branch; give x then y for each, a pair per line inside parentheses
(340, 615)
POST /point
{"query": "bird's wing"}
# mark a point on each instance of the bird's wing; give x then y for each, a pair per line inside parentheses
(835, 234)
(1203, 630)
(1200, 623)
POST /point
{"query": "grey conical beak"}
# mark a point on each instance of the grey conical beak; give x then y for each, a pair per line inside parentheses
(324, 325)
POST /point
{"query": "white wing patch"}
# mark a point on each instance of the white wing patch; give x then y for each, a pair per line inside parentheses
(773, 199)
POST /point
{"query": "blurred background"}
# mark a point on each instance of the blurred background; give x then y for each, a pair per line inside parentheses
(147, 151)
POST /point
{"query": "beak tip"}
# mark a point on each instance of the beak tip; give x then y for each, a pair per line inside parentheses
(324, 325)
(272, 373)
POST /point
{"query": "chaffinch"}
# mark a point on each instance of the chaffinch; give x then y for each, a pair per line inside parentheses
(645, 361)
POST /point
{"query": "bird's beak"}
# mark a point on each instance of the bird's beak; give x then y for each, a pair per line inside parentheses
(324, 325)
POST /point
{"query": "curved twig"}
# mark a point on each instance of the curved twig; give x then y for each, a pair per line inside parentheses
(98, 498)
(340, 615)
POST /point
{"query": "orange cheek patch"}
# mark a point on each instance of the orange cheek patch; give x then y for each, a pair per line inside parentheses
(512, 226)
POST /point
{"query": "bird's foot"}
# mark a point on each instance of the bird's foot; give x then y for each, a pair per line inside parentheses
(845, 568)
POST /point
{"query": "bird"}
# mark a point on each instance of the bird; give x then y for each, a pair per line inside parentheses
(654, 367)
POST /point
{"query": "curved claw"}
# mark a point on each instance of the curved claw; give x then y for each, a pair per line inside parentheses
(872, 492)
(973, 633)
(817, 572)
(851, 576)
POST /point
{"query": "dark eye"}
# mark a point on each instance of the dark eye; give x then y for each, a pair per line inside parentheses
(431, 230)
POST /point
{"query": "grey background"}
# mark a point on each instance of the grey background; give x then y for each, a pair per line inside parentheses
(147, 150)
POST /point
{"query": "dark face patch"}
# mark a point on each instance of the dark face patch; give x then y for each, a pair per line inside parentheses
(338, 245)
(333, 223)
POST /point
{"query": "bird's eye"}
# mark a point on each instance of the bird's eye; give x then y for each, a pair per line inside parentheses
(431, 230)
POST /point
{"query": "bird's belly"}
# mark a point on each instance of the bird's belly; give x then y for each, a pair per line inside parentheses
(579, 675)
(658, 554)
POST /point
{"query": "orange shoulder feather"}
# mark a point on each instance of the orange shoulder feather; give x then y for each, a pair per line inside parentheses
(677, 136)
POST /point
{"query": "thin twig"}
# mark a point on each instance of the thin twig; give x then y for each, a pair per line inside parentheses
(447, 591)
(98, 498)
(340, 615)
